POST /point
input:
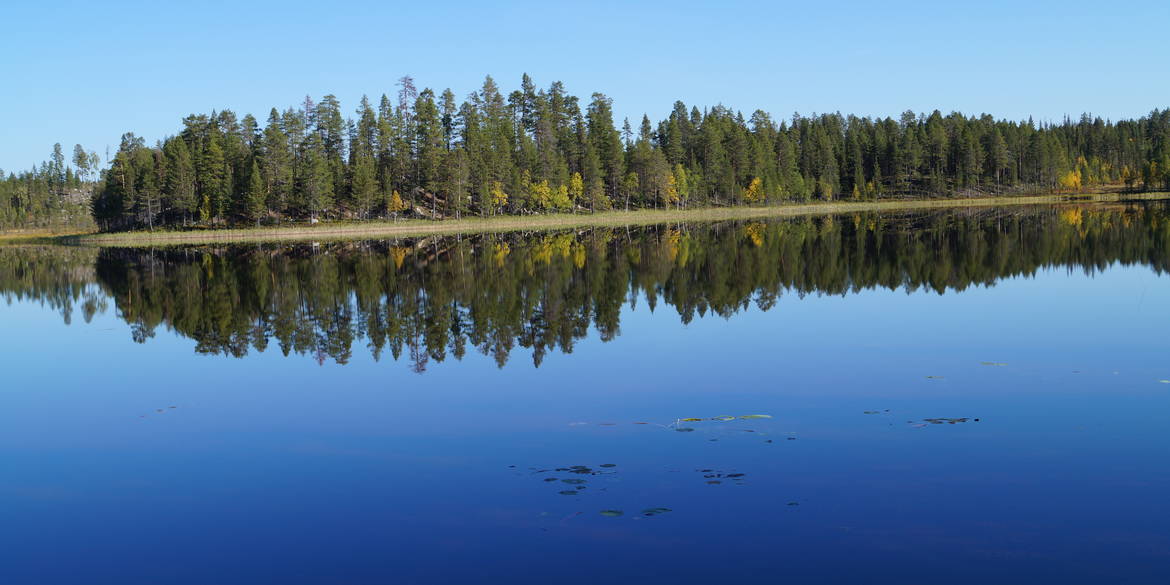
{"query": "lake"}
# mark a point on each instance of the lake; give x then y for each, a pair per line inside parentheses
(961, 396)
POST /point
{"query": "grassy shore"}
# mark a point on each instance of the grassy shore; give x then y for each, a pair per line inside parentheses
(508, 223)
(32, 236)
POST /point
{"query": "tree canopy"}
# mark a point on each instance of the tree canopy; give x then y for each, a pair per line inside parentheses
(542, 150)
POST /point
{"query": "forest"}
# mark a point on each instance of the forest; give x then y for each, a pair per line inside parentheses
(425, 154)
(430, 299)
(54, 194)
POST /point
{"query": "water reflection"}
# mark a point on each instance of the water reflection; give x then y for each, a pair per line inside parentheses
(435, 298)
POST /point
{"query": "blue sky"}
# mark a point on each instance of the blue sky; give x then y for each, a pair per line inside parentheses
(85, 72)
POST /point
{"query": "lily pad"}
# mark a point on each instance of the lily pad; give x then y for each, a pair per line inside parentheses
(945, 421)
(611, 513)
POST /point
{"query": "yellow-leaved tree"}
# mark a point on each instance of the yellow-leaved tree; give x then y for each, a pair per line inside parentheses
(670, 193)
(754, 191)
(498, 197)
(540, 195)
(576, 189)
(560, 198)
(395, 205)
(681, 184)
(1071, 180)
(1128, 176)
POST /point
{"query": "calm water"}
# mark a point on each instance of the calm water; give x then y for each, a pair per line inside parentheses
(964, 397)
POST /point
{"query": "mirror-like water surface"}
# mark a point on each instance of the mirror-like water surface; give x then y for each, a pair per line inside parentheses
(977, 396)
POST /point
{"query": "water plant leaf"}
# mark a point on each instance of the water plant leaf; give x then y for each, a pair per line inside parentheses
(723, 418)
(749, 416)
(690, 419)
(947, 421)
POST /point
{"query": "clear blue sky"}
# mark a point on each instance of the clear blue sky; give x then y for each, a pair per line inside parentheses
(85, 72)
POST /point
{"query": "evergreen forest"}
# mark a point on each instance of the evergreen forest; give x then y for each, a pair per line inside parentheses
(538, 150)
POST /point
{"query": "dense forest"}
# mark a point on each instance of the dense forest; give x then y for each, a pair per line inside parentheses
(430, 299)
(537, 150)
(55, 194)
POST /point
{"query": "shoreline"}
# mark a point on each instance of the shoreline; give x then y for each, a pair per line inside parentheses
(511, 223)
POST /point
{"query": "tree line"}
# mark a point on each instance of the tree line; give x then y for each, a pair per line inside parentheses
(428, 300)
(539, 150)
(54, 194)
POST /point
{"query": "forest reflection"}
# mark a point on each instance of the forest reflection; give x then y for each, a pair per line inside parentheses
(427, 300)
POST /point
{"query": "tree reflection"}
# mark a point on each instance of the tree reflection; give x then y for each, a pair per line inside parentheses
(431, 299)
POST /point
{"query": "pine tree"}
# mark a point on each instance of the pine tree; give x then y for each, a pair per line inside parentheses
(364, 184)
(255, 198)
(179, 188)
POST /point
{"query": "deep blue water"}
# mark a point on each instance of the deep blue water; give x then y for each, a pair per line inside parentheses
(285, 469)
